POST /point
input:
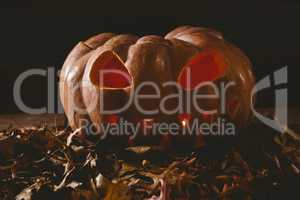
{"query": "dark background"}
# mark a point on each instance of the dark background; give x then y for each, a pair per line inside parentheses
(37, 34)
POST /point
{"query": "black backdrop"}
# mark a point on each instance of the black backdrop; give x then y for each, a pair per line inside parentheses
(37, 34)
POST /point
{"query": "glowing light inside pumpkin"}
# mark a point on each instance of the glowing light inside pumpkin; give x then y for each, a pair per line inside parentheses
(111, 119)
(147, 123)
(184, 118)
(109, 71)
(208, 65)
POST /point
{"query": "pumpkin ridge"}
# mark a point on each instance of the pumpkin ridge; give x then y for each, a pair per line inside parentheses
(98, 40)
(78, 53)
(181, 52)
(151, 58)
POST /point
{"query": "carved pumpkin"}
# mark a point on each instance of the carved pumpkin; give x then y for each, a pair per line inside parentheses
(200, 51)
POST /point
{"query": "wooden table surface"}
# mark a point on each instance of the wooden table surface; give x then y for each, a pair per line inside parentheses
(58, 120)
(26, 120)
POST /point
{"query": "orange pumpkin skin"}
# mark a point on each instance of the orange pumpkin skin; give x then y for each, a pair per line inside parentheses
(150, 58)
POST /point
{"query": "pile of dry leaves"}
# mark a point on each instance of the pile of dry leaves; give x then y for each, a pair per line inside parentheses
(41, 163)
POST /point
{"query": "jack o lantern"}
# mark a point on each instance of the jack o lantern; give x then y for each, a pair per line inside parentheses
(188, 56)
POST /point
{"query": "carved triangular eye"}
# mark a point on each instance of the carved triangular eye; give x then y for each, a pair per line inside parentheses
(109, 71)
(208, 65)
